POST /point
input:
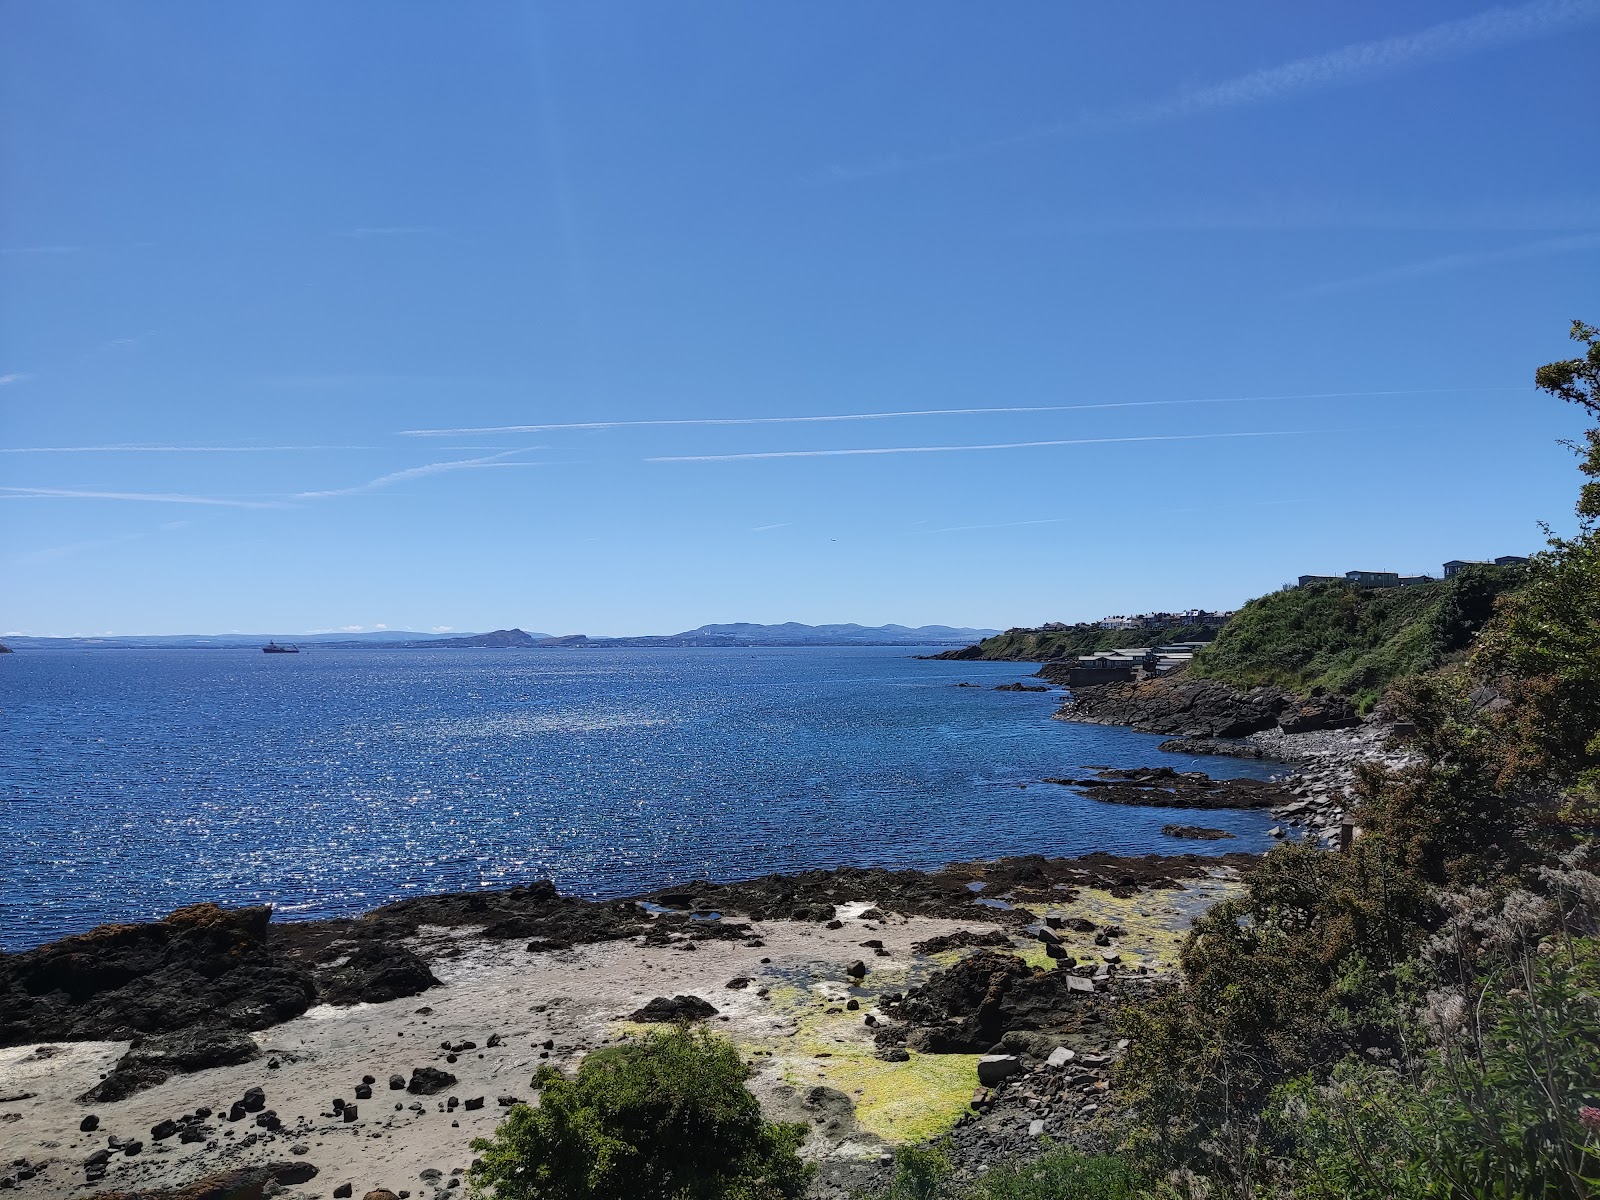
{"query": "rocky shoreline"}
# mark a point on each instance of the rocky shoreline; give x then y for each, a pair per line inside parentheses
(173, 1058)
(146, 1057)
(1320, 736)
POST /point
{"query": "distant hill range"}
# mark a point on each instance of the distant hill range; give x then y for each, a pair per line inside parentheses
(790, 633)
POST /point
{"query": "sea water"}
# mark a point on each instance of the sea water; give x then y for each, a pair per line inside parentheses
(133, 782)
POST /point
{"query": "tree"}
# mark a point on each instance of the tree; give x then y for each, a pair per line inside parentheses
(667, 1118)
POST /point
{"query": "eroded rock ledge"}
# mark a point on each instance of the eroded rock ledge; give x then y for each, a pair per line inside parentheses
(1177, 704)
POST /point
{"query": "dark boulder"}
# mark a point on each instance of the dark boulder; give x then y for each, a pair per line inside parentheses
(676, 1008)
(425, 1081)
(374, 971)
(153, 1060)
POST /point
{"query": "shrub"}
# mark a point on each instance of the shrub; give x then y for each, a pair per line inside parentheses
(667, 1118)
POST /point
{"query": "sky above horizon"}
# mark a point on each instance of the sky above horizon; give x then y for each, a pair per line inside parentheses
(622, 318)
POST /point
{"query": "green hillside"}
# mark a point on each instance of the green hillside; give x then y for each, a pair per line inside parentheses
(1350, 640)
(1045, 645)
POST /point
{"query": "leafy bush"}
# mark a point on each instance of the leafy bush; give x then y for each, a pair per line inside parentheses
(668, 1118)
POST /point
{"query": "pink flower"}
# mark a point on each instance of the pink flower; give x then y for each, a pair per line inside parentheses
(1589, 1117)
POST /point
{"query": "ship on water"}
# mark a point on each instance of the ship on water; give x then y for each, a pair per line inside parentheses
(274, 648)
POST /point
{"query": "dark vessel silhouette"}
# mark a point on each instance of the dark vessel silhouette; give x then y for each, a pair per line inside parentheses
(274, 648)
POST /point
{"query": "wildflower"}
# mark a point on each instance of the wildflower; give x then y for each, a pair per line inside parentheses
(1589, 1118)
(1445, 1014)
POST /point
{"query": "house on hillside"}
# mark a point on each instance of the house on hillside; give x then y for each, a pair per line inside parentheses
(1373, 579)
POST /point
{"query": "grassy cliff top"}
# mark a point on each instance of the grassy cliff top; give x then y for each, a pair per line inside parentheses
(1350, 640)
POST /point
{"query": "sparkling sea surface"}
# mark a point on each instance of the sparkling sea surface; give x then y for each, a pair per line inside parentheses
(136, 781)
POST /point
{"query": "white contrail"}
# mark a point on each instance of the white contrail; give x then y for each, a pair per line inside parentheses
(932, 412)
(37, 493)
(1170, 437)
(438, 468)
(1352, 64)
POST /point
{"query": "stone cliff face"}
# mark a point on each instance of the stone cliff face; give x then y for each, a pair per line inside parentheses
(1176, 704)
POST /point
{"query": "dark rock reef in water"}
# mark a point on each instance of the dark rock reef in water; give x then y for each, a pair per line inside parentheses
(1163, 787)
(1178, 704)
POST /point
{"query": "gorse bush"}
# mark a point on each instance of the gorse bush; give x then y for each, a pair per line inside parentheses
(667, 1118)
(1497, 1099)
(1321, 1042)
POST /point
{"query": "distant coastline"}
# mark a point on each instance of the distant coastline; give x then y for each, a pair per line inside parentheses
(736, 635)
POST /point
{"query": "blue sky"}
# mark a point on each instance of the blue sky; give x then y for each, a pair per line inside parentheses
(425, 316)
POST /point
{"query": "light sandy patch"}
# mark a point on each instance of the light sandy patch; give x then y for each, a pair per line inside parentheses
(792, 1021)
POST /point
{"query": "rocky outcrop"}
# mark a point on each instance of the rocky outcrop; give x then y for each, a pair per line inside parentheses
(990, 1002)
(203, 965)
(1173, 704)
(1319, 711)
(1163, 787)
(675, 1008)
(373, 972)
(156, 1059)
(1199, 708)
(1196, 832)
(1219, 747)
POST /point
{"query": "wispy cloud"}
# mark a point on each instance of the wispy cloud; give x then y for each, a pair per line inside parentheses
(1171, 437)
(1453, 262)
(140, 448)
(38, 493)
(438, 468)
(14, 377)
(72, 549)
(932, 412)
(776, 525)
(1360, 62)
(40, 249)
